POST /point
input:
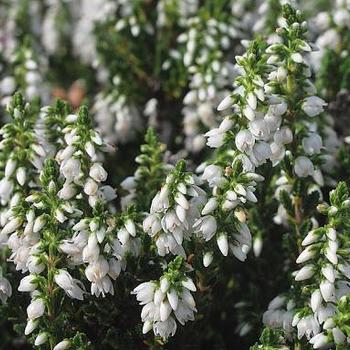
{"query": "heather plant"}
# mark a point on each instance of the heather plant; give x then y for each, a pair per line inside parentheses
(173, 175)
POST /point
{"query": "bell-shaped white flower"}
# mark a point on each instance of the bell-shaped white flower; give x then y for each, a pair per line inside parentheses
(71, 169)
(62, 345)
(222, 243)
(313, 106)
(225, 103)
(10, 167)
(244, 140)
(305, 273)
(41, 339)
(207, 259)
(303, 167)
(27, 284)
(31, 326)
(36, 308)
(98, 173)
(5, 289)
(312, 144)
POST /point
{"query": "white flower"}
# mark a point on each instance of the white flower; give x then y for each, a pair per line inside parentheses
(96, 272)
(10, 167)
(307, 326)
(257, 246)
(210, 206)
(145, 292)
(21, 175)
(5, 289)
(60, 216)
(297, 57)
(35, 265)
(31, 326)
(312, 144)
(114, 268)
(164, 284)
(6, 188)
(310, 238)
(26, 284)
(90, 149)
(62, 345)
(283, 136)
(303, 166)
(39, 150)
(181, 200)
(39, 223)
(331, 255)
(206, 226)
(36, 308)
(261, 152)
(173, 298)
(338, 335)
(165, 329)
(152, 224)
(68, 191)
(244, 140)
(319, 341)
(252, 100)
(216, 138)
(223, 244)
(321, 20)
(71, 169)
(225, 103)
(260, 129)
(277, 302)
(328, 272)
(207, 259)
(90, 187)
(313, 106)
(316, 300)
(98, 173)
(188, 283)
(305, 273)
(327, 290)
(342, 17)
(69, 284)
(11, 226)
(147, 326)
(41, 339)
(164, 310)
(305, 255)
(7, 85)
(213, 174)
(277, 109)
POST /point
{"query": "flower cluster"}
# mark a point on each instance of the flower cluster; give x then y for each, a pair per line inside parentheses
(79, 160)
(40, 213)
(204, 41)
(291, 77)
(324, 278)
(173, 211)
(224, 214)
(167, 300)
(326, 270)
(22, 156)
(332, 30)
(43, 224)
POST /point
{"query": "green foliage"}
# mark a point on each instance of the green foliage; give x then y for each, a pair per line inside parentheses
(151, 170)
(270, 340)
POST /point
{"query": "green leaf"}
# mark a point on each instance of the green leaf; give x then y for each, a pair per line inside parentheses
(286, 201)
(339, 195)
